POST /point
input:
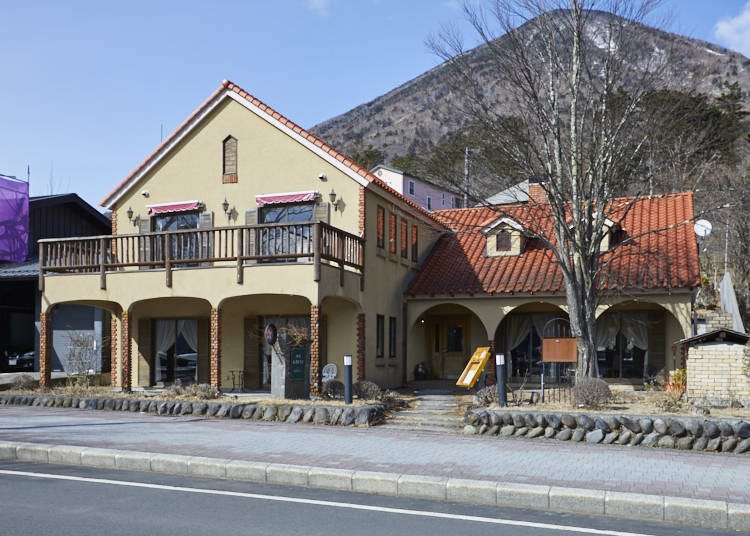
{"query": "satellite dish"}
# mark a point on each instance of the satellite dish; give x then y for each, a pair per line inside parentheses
(702, 228)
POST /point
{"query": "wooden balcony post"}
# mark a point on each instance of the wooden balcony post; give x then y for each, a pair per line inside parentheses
(102, 263)
(240, 249)
(316, 252)
(41, 266)
(167, 260)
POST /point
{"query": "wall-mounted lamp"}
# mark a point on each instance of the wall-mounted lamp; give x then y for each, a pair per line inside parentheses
(225, 207)
(334, 201)
(134, 220)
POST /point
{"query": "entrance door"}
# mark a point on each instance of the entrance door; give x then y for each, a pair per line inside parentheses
(448, 340)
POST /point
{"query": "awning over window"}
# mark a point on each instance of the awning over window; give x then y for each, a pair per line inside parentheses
(290, 197)
(180, 206)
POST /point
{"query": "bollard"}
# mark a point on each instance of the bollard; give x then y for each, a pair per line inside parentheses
(500, 375)
(348, 379)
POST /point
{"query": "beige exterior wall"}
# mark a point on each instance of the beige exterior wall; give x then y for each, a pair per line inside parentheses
(269, 160)
(718, 373)
(516, 242)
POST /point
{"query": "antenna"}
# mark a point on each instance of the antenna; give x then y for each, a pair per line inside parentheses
(702, 228)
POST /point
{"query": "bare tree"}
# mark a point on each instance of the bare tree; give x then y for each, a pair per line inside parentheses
(577, 72)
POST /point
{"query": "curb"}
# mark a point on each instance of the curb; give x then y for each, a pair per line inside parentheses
(677, 510)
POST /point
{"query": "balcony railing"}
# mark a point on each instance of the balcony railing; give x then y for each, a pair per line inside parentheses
(316, 243)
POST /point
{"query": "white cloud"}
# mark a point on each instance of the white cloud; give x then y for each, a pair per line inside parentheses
(734, 32)
(319, 6)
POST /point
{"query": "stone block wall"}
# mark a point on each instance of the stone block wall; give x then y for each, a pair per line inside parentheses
(717, 374)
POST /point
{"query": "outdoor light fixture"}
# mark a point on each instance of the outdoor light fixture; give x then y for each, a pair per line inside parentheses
(225, 206)
(130, 213)
(334, 202)
(135, 220)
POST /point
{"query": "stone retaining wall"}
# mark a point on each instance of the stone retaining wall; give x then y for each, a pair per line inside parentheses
(713, 435)
(293, 413)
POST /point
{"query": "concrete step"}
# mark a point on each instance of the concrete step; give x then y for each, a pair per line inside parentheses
(421, 428)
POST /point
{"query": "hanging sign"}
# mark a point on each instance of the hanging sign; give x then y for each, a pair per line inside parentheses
(474, 367)
(270, 333)
(559, 350)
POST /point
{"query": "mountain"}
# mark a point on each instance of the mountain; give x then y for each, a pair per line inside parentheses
(418, 114)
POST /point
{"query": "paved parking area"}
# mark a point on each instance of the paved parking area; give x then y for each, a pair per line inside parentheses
(605, 467)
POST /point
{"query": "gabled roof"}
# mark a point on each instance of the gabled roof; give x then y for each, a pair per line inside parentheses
(229, 90)
(718, 335)
(665, 259)
(47, 201)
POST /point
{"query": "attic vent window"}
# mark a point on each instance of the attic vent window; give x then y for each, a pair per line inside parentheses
(229, 160)
(503, 241)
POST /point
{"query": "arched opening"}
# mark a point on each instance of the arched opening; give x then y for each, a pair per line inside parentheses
(634, 341)
(79, 342)
(170, 341)
(249, 361)
(519, 336)
(443, 339)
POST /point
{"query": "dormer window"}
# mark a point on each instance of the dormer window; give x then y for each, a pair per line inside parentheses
(505, 237)
(503, 240)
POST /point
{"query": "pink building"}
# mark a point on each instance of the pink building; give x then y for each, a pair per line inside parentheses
(422, 192)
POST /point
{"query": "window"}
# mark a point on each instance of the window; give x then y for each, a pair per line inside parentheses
(380, 336)
(392, 233)
(175, 350)
(411, 187)
(391, 336)
(381, 227)
(443, 198)
(182, 246)
(457, 203)
(429, 203)
(414, 244)
(291, 239)
(503, 241)
(454, 338)
(404, 238)
(229, 159)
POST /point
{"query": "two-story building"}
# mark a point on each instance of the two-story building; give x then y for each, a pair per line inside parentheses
(423, 192)
(246, 252)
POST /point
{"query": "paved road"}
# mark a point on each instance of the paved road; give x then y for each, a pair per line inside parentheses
(120, 503)
(604, 467)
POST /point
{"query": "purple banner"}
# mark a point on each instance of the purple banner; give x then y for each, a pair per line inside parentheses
(14, 219)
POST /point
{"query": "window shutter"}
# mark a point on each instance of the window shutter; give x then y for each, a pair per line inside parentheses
(206, 242)
(251, 218)
(321, 212)
(144, 242)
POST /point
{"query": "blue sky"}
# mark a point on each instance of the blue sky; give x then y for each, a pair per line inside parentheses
(87, 85)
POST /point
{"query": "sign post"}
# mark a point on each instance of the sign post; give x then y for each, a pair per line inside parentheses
(348, 379)
(500, 375)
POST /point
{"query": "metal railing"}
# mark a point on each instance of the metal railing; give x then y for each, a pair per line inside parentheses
(314, 242)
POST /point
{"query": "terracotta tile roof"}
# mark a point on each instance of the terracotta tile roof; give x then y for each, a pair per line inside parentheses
(230, 86)
(659, 252)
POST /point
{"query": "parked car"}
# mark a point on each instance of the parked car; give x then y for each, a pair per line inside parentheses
(19, 362)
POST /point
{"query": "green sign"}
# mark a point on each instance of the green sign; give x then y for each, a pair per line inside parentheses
(297, 364)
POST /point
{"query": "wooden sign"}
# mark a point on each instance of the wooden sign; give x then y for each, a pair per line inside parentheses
(559, 350)
(474, 367)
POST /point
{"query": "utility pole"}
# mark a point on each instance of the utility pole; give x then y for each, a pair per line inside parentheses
(466, 178)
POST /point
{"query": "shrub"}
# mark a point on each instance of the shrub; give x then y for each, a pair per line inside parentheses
(197, 391)
(367, 390)
(486, 396)
(24, 382)
(591, 392)
(333, 389)
(677, 382)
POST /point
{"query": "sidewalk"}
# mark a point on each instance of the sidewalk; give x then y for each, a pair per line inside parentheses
(655, 472)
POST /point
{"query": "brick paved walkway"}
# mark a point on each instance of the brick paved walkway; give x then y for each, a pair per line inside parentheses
(605, 467)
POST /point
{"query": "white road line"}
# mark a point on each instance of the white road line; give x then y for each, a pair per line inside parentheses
(331, 504)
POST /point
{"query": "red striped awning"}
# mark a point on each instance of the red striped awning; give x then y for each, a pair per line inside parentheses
(291, 197)
(180, 206)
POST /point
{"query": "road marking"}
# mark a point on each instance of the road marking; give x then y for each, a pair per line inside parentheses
(331, 504)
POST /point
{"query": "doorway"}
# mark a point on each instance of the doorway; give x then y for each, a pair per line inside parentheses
(448, 343)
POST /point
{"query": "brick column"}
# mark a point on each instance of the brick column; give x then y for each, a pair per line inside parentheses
(45, 350)
(114, 367)
(125, 351)
(361, 347)
(113, 243)
(215, 350)
(314, 350)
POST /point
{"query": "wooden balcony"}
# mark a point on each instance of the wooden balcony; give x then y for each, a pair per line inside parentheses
(315, 243)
